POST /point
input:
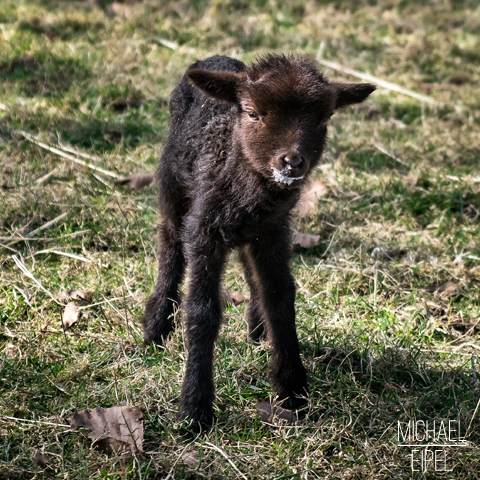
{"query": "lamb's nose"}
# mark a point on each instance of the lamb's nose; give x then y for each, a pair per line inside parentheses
(294, 160)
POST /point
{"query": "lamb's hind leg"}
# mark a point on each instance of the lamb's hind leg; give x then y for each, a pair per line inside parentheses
(256, 327)
(164, 299)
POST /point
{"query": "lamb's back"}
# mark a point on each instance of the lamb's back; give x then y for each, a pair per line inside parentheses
(193, 116)
(190, 109)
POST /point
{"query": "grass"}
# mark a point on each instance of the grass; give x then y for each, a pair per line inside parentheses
(379, 348)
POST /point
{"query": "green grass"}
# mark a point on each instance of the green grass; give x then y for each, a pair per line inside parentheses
(377, 346)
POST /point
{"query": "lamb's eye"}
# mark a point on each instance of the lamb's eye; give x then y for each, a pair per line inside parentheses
(253, 117)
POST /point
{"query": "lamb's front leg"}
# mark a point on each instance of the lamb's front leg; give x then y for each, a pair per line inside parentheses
(160, 307)
(270, 257)
(202, 322)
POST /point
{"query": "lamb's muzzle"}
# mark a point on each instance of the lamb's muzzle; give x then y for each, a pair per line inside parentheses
(282, 176)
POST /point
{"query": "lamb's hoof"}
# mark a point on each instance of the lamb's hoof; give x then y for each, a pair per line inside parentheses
(155, 339)
(149, 341)
(293, 402)
(269, 412)
(195, 423)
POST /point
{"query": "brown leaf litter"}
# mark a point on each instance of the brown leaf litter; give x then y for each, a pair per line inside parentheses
(270, 412)
(233, 298)
(309, 199)
(445, 291)
(190, 459)
(305, 240)
(74, 295)
(70, 316)
(380, 253)
(115, 429)
(41, 459)
(137, 181)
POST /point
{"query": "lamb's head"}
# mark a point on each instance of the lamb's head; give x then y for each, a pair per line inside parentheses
(283, 105)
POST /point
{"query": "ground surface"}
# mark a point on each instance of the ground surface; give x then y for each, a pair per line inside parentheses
(381, 343)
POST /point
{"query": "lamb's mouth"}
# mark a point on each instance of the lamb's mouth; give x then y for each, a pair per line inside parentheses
(281, 176)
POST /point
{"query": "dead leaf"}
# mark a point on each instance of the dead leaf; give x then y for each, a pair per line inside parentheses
(137, 181)
(9, 351)
(119, 8)
(264, 410)
(191, 459)
(379, 253)
(445, 291)
(225, 299)
(75, 294)
(70, 316)
(464, 323)
(459, 78)
(309, 198)
(112, 429)
(40, 459)
(110, 445)
(233, 298)
(237, 297)
(269, 412)
(305, 240)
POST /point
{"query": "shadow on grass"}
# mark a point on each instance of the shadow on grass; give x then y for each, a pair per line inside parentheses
(425, 201)
(373, 161)
(422, 203)
(381, 387)
(101, 135)
(41, 74)
(61, 30)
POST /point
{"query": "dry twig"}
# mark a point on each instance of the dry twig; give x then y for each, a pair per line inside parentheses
(39, 229)
(370, 78)
(66, 155)
(27, 273)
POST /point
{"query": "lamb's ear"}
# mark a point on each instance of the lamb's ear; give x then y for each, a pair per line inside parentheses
(349, 93)
(220, 85)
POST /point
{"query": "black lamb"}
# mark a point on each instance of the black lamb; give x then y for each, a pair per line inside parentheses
(242, 142)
